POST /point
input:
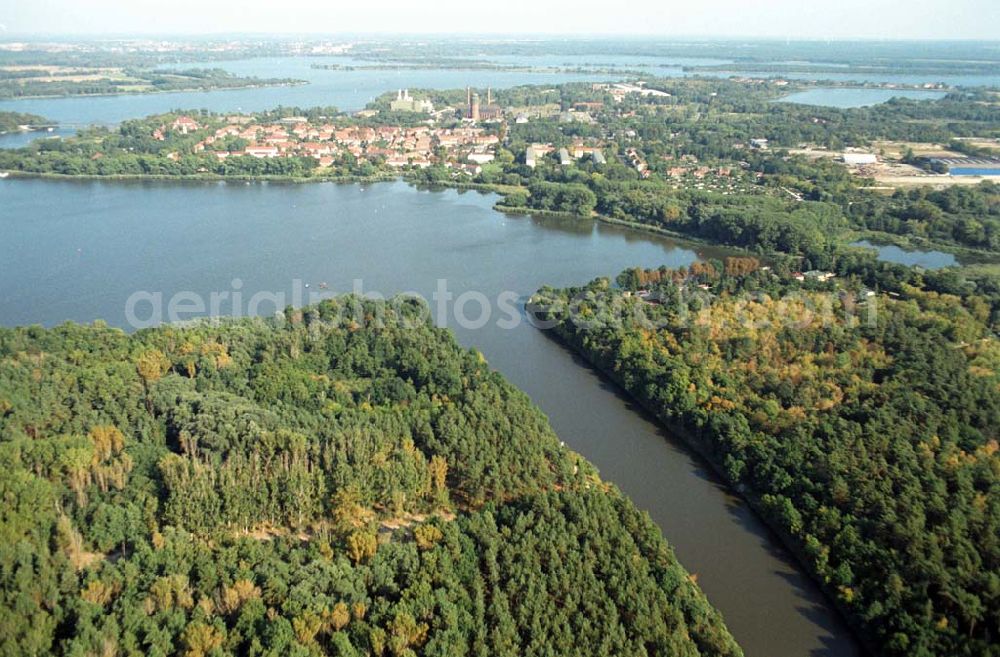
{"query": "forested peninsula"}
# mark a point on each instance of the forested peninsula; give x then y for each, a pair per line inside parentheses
(311, 484)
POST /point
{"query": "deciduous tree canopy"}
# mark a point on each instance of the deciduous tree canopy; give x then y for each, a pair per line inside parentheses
(868, 439)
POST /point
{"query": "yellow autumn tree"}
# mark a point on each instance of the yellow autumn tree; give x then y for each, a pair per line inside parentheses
(427, 536)
(152, 365)
(200, 639)
(361, 545)
(340, 616)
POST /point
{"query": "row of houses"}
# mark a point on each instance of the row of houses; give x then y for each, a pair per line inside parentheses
(699, 172)
(567, 155)
(296, 136)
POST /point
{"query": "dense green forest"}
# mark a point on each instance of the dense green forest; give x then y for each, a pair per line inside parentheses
(960, 215)
(862, 426)
(316, 484)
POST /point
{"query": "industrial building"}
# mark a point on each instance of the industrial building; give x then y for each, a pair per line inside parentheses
(859, 159)
(475, 111)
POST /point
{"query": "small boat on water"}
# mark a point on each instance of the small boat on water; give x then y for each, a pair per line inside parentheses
(4, 174)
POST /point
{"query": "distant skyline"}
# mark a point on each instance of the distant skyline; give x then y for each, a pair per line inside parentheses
(782, 19)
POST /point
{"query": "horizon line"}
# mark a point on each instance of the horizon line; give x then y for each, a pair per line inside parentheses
(8, 35)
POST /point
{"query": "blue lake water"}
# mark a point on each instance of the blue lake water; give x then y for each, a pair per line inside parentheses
(925, 259)
(845, 98)
(18, 139)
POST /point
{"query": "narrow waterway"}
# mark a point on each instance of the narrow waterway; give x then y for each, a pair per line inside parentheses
(80, 250)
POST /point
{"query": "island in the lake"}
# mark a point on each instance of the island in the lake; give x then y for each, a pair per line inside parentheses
(40, 80)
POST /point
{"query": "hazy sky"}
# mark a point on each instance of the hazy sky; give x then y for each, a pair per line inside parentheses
(891, 19)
